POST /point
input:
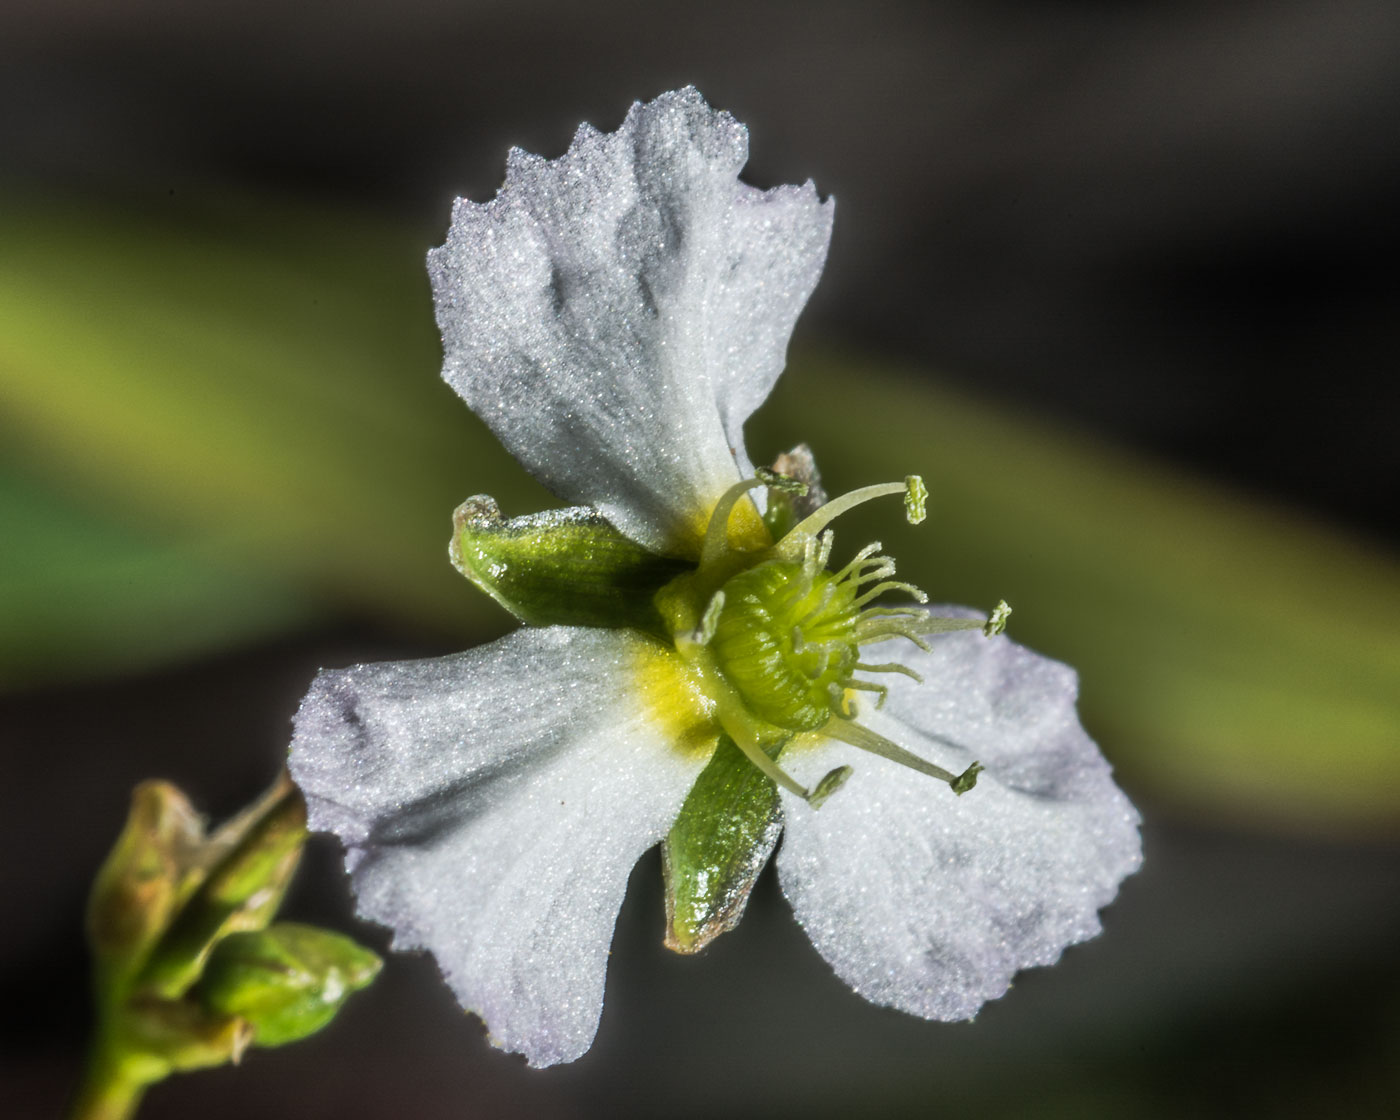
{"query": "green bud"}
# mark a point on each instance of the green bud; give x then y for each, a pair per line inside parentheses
(286, 981)
(151, 867)
(566, 567)
(716, 848)
(247, 866)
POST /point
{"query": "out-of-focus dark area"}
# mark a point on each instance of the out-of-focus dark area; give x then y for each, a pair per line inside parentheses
(1111, 276)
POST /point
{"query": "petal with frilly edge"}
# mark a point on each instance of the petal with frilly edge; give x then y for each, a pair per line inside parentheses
(930, 902)
(493, 804)
(616, 314)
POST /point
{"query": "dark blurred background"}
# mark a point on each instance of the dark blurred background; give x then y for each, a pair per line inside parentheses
(1141, 250)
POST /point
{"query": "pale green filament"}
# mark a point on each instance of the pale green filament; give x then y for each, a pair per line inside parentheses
(868, 740)
(716, 543)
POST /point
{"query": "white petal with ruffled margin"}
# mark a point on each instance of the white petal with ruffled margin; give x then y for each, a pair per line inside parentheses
(616, 314)
(493, 804)
(930, 902)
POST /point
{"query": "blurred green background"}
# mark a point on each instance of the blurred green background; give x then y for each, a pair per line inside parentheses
(1108, 281)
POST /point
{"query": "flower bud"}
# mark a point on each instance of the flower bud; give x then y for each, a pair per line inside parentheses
(286, 981)
(141, 883)
(246, 866)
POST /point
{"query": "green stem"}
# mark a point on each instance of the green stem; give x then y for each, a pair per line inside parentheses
(109, 1090)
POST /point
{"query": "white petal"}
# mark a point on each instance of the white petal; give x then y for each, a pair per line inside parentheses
(930, 902)
(493, 804)
(616, 314)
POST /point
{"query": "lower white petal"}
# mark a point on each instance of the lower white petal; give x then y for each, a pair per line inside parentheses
(493, 803)
(930, 902)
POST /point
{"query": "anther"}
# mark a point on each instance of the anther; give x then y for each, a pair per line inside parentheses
(996, 621)
(915, 499)
(814, 524)
(775, 481)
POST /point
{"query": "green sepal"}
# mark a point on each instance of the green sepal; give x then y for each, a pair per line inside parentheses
(286, 981)
(720, 841)
(566, 567)
(162, 1037)
(246, 866)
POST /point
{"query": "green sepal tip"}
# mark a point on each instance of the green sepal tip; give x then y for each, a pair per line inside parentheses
(566, 567)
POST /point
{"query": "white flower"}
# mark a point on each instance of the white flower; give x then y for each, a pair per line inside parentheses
(615, 316)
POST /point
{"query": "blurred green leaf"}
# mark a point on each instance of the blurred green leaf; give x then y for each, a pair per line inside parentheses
(262, 377)
(81, 592)
(266, 378)
(1232, 657)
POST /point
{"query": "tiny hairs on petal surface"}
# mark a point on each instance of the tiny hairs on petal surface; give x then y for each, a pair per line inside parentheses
(929, 902)
(616, 314)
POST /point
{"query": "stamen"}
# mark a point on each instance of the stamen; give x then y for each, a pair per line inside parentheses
(814, 524)
(893, 612)
(996, 622)
(934, 624)
(868, 740)
(829, 783)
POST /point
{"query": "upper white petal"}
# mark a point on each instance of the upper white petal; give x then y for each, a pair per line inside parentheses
(493, 804)
(930, 902)
(616, 314)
